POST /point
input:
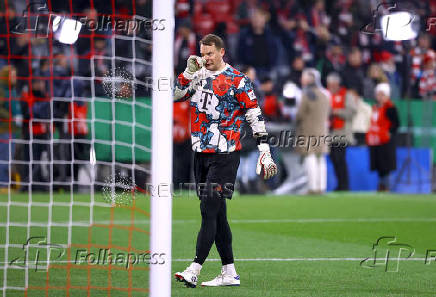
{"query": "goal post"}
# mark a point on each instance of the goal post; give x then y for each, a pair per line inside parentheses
(161, 163)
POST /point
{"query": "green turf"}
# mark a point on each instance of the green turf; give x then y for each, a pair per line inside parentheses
(303, 230)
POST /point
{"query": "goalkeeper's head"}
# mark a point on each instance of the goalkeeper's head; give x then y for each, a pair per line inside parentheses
(212, 50)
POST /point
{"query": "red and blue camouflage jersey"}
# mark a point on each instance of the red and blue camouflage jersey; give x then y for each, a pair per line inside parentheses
(218, 103)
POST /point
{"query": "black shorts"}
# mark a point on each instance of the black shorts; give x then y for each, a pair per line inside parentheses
(215, 173)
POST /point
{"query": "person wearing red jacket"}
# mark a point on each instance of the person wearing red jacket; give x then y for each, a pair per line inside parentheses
(182, 152)
(381, 136)
(343, 110)
(78, 131)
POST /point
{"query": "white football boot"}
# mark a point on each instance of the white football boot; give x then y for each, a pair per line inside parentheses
(225, 278)
(189, 276)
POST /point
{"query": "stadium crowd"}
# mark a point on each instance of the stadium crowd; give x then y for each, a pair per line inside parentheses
(273, 42)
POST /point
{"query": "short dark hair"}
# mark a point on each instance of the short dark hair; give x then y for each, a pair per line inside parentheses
(212, 39)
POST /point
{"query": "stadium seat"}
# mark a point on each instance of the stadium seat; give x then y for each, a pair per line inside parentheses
(204, 24)
(220, 10)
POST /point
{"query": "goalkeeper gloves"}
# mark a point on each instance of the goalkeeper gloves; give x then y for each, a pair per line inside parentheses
(193, 65)
(265, 162)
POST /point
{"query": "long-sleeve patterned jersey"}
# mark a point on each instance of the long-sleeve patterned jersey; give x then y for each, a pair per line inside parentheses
(219, 102)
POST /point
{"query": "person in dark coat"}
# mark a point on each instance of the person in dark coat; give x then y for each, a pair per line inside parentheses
(381, 136)
(258, 45)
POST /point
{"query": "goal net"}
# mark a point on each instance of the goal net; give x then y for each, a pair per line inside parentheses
(76, 132)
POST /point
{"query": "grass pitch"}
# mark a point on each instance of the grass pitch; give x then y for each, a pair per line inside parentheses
(283, 246)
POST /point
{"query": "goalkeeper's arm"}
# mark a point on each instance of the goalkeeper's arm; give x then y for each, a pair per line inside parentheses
(184, 88)
(264, 162)
(253, 115)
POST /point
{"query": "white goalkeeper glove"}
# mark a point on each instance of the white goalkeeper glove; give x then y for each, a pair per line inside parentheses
(265, 162)
(193, 65)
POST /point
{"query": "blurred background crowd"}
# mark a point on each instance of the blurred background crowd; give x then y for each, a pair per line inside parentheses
(273, 42)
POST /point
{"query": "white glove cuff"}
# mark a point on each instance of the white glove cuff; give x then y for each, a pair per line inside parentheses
(188, 75)
(263, 147)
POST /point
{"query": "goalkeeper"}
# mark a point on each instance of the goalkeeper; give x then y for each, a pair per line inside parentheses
(221, 98)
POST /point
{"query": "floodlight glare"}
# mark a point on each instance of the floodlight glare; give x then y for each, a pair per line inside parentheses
(66, 30)
(399, 26)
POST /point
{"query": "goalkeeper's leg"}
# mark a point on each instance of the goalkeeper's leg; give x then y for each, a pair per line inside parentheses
(223, 237)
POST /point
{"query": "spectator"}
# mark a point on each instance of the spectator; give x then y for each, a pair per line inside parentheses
(353, 73)
(36, 117)
(381, 136)
(184, 45)
(387, 63)
(343, 110)
(374, 76)
(342, 20)
(246, 176)
(257, 45)
(10, 119)
(303, 39)
(318, 16)
(296, 70)
(182, 152)
(418, 54)
(243, 11)
(333, 61)
(292, 98)
(361, 119)
(20, 48)
(62, 94)
(427, 81)
(78, 131)
(271, 107)
(312, 118)
(102, 66)
(272, 111)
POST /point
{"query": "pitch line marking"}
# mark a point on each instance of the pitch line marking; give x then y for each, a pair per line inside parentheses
(254, 260)
(301, 221)
(299, 259)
